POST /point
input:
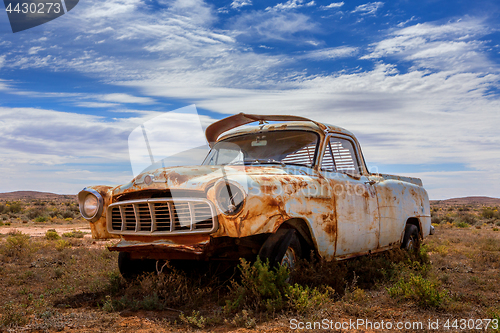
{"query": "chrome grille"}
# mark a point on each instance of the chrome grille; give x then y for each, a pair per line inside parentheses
(162, 216)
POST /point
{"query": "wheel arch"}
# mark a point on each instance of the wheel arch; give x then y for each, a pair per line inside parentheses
(416, 222)
(305, 234)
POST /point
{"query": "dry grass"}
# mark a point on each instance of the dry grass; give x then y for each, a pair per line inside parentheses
(51, 283)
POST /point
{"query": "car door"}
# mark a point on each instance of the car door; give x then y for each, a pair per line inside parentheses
(356, 208)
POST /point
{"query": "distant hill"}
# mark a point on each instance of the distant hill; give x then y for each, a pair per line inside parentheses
(468, 201)
(17, 195)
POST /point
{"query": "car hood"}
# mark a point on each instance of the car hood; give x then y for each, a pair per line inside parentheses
(198, 178)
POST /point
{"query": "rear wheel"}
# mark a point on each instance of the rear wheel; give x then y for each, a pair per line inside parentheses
(411, 241)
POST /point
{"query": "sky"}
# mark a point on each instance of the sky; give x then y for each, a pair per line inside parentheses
(418, 83)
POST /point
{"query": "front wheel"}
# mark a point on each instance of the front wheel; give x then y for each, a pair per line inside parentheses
(131, 268)
(411, 241)
(292, 254)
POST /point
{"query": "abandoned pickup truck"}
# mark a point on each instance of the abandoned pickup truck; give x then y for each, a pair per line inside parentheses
(277, 190)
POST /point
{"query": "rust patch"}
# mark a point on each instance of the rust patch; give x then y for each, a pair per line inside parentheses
(269, 189)
(177, 179)
(192, 239)
(330, 225)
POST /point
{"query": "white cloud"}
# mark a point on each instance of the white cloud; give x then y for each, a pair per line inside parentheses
(333, 5)
(35, 49)
(273, 25)
(96, 105)
(126, 98)
(331, 53)
(370, 8)
(240, 3)
(449, 46)
(291, 4)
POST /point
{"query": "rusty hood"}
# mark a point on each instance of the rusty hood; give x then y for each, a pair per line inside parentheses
(214, 130)
(199, 178)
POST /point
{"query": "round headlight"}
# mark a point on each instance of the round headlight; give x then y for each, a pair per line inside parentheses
(230, 197)
(91, 204)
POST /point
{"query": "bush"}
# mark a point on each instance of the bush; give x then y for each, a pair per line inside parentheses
(33, 213)
(15, 207)
(462, 225)
(68, 214)
(195, 320)
(488, 213)
(52, 234)
(435, 220)
(17, 245)
(261, 288)
(74, 234)
(467, 218)
(266, 289)
(61, 244)
(419, 289)
(41, 219)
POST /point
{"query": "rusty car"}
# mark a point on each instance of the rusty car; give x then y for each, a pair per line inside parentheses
(281, 189)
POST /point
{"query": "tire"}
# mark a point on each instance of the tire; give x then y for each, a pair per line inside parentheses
(411, 241)
(280, 248)
(292, 254)
(132, 268)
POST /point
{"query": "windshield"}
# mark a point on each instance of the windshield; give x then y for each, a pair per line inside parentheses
(277, 147)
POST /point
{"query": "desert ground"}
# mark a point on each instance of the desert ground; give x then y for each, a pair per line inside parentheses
(55, 277)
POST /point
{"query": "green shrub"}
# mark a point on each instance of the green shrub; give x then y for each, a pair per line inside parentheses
(41, 219)
(15, 207)
(61, 244)
(436, 220)
(488, 213)
(74, 234)
(261, 288)
(424, 292)
(52, 234)
(266, 289)
(462, 225)
(467, 218)
(17, 245)
(303, 299)
(68, 214)
(32, 213)
(195, 319)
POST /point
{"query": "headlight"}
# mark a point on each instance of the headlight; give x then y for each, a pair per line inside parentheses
(230, 197)
(91, 204)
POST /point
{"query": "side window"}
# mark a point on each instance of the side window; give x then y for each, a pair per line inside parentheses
(340, 156)
(327, 162)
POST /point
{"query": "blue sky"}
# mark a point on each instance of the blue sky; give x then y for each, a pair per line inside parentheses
(417, 82)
